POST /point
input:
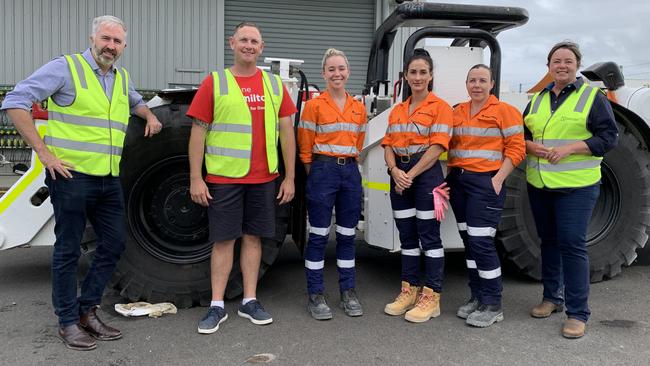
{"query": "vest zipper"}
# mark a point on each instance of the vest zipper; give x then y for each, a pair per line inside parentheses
(539, 165)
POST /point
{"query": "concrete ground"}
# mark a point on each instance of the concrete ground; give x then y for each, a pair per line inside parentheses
(617, 333)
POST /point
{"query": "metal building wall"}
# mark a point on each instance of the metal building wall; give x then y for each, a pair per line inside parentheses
(304, 29)
(179, 41)
(169, 41)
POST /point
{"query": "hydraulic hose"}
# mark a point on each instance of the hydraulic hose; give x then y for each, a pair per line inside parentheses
(304, 88)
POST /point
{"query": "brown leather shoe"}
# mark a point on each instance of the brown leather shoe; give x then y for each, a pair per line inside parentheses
(76, 338)
(573, 328)
(545, 309)
(96, 328)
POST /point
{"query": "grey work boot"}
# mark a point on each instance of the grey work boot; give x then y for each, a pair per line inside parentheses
(485, 316)
(317, 307)
(350, 303)
(467, 308)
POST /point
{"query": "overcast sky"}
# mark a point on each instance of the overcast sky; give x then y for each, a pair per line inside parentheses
(616, 31)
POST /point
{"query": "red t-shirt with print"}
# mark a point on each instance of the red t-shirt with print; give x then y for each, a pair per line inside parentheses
(202, 108)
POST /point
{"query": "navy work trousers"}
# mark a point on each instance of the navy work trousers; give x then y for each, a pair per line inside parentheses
(562, 218)
(330, 185)
(418, 230)
(75, 200)
(478, 209)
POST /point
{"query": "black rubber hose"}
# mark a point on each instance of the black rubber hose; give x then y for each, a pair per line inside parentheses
(304, 88)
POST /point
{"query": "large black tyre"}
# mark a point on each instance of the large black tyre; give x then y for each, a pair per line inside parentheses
(619, 225)
(167, 250)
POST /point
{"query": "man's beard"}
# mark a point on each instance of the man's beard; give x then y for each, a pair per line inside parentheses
(103, 60)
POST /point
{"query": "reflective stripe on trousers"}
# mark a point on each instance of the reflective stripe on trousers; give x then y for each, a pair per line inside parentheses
(329, 186)
(477, 209)
(413, 214)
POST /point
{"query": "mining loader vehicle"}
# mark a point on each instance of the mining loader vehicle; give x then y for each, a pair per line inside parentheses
(167, 251)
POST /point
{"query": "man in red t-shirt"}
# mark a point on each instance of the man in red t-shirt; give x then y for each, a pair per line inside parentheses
(240, 206)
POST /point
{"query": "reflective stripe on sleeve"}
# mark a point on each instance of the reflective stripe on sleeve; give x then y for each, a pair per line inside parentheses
(307, 125)
(514, 130)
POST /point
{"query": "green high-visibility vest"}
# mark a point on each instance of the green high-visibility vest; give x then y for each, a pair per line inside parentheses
(566, 125)
(89, 133)
(229, 140)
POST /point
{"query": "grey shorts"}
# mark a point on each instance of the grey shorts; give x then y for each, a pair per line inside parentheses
(237, 209)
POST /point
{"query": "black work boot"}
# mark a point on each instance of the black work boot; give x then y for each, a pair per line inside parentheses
(350, 303)
(317, 307)
(485, 316)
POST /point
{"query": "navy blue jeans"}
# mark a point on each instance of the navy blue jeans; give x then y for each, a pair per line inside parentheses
(562, 218)
(75, 200)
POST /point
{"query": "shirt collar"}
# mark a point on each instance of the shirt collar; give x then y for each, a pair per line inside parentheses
(93, 64)
(330, 100)
(576, 85)
(430, 98)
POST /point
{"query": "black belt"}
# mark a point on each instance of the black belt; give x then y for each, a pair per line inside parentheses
(340, 160)
(491, 173)
(407, 158)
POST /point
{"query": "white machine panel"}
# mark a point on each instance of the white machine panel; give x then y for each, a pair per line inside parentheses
(450, 66)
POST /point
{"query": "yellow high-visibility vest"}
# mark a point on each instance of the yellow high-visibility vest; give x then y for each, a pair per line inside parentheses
(566, 125)
(229, 140)
(89, 133)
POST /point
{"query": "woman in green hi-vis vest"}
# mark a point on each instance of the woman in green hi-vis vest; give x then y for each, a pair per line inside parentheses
(569, 127)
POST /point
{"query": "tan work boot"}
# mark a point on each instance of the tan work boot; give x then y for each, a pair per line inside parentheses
(427, 307)
(545, 309)
(404, 301)
(573, 328)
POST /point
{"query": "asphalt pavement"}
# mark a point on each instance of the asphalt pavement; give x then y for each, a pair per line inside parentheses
(617, 333)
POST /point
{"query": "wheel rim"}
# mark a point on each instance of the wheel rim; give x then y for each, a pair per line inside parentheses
(162, 217)
(607, 209)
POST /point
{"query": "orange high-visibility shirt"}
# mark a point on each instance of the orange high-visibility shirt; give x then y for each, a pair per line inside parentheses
(429, 124)
(325, 129)
(479, 143)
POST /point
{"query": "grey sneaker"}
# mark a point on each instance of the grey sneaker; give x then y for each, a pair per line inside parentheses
(485, 316)
(210, 322)
(317, 307)
(254, 311)
(467, 308)
(350, 303)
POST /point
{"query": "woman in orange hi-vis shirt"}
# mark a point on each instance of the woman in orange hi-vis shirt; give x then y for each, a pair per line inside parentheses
(330, 136)
(487, 144)
(418, 132)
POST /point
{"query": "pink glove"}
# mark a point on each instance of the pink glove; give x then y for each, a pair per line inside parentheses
(440, 198)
